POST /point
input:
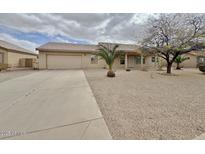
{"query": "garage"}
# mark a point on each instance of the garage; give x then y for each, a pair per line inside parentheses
(1, 58)
(64, 61)
(55, 55)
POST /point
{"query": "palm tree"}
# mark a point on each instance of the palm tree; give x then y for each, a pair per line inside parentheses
(109, 54)
(179, 60)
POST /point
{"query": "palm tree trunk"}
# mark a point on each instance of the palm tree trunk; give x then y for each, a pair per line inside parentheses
(178, 67)
(110, 73)
(110, 67)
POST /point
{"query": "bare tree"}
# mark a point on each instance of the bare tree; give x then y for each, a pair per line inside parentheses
(171, 35)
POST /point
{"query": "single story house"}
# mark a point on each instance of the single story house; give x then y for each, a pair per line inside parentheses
(72, 56)
(15, 56)
(195, 59)
(53, 55)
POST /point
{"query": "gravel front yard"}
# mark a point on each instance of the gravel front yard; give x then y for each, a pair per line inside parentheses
(148, 105)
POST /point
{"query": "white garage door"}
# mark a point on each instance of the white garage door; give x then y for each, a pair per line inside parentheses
(63, 62)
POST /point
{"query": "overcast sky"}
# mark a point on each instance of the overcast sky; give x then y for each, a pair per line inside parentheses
(33, 30)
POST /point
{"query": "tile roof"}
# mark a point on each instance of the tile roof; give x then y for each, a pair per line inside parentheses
(197, 53)
(69, 47)
(13, 47)
(123, 47)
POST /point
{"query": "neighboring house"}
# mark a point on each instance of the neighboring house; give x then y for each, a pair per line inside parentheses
(55, 55)
(15, 56)
(198, 58)
(75, 56)
(195, 59)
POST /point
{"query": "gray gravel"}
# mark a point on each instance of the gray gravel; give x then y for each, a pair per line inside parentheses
(149, 105)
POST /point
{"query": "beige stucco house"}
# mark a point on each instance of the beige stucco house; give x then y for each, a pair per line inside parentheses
(15, 56)
(54, 55)
(76, 56)
(195, 58)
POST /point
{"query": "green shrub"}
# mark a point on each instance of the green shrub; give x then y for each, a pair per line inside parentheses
(202, 68)
(3, 66)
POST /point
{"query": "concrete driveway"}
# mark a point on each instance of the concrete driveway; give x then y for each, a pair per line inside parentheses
(50, 105)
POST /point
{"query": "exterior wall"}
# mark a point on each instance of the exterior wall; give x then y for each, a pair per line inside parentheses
(148, 61)
(4, 54)
(191, 63)
(131, 62)
(25, 62)
(159, 62)
(86, 60)
(117, 64)
(13, 58)
(42, 60)
(200, 60)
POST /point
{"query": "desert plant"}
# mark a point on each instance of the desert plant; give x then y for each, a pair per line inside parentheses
(202, 68)
(179, 60)
(160, 64)
(128, 69)
(109, 54)
(3, 67)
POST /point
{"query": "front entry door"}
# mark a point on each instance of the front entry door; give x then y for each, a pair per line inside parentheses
(131, 61)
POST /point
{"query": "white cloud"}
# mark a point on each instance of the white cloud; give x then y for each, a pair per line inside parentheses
(90, 27)
(22, 43)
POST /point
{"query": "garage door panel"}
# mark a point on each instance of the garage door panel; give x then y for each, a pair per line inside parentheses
(63, 62)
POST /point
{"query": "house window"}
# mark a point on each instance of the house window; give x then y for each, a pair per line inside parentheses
(143, 60)
(94, 59)
(201, 59)
(122, 60)
(153, 59)
(138, 60)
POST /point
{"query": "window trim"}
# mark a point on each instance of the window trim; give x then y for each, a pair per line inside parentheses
(95, 60)
(137, 60)
(122, 59)
(153, 59)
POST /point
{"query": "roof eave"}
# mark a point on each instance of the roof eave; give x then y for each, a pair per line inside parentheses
(11, 50)
(57, 50)
(22, 52)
